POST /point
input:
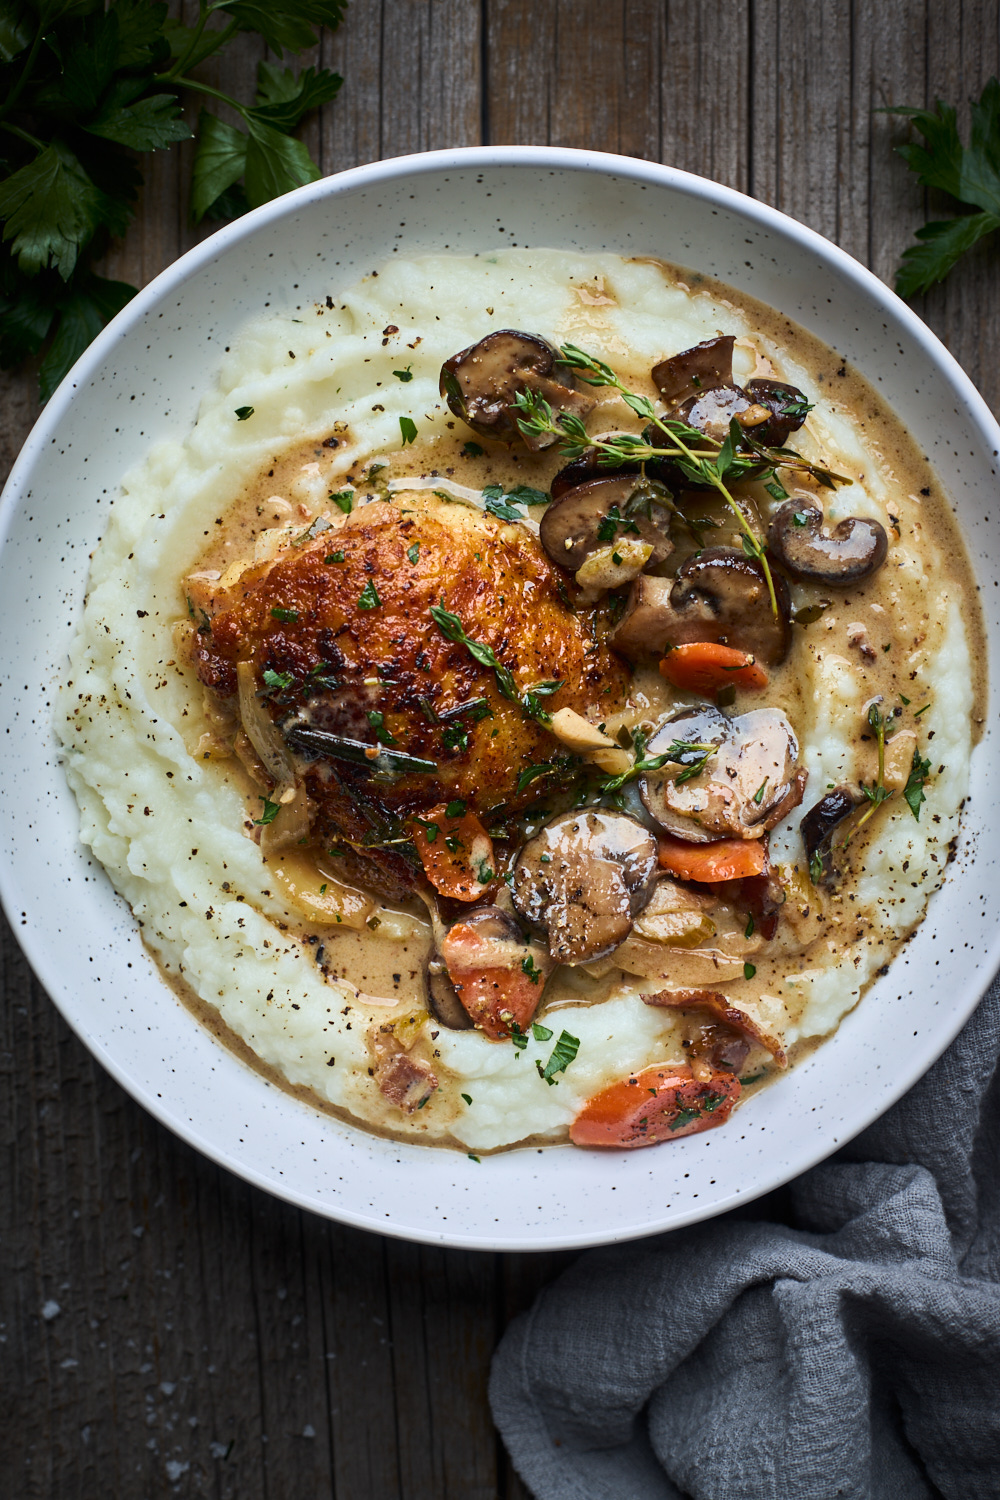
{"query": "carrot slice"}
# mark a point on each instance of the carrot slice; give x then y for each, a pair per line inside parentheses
(661, 1103)
(705, 667)
(496, 998)
(456, 852)
(725, 859)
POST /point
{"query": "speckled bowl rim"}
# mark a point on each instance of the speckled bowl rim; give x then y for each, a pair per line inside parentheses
(53, 966)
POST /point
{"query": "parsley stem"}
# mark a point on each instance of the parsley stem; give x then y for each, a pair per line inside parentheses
(22, 135)
(205, 88)
(25, 73)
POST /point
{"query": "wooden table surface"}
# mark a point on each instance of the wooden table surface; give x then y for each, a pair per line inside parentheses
(209, 1340)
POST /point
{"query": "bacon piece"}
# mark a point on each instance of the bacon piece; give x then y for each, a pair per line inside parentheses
(405, 1081)
(723, 1013)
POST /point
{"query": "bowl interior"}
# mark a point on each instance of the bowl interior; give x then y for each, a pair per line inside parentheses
(141, 382)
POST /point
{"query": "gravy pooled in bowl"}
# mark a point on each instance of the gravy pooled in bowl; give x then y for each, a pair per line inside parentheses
(534, 702)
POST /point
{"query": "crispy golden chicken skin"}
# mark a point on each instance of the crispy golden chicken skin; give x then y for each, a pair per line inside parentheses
(344, 622)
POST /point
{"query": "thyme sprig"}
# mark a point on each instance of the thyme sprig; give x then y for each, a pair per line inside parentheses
(710, 465)
(878, 792)
(690, 754)
(529, 702)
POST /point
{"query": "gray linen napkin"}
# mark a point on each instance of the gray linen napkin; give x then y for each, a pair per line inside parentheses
(852, 1351)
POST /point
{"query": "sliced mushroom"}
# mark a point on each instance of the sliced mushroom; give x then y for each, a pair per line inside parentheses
(746, 785)
(481, 382)
(712, 412)
(595, 513)
(695, 370)
(818, 828)
(852, 551)
(788, 408)
(582, 879)
(442, 998)
(718, 595)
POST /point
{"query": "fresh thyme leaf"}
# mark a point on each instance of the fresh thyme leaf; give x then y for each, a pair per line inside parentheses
(408, 430)
(368, 598)
(970, 174)
(913, 791)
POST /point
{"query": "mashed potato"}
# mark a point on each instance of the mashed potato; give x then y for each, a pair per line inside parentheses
(346, 394)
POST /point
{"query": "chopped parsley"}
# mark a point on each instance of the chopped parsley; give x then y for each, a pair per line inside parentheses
(534, 973)
(413, 552)
(404, 375)
(562, 1055)
(748, 933)
(455, 809)
(453, 844)
(471, 1157)
(334, 557)
(518, 1037)
(242, 412)
(270, 812)
(540, 1033)
(368, 598)
(408, 430)
(484, 874)
(473, 450)
(455, 737)
(277, 681)
(749, 970)
(344, 499)
(467, 1098)
(431, 830)
(913, 791)
(287, 616)
(377, 720)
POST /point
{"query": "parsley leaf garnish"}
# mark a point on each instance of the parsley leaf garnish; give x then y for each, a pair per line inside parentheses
(343, 499)
(368, 598)
(270, 812)
(287, 616)
(242, 412)
(971, 174)
(408, 430)
(913, 791)
(87, 87)
(404, 375)
(563, 1053)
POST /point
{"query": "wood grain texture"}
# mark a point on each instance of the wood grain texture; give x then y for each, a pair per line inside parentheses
(210, 1341)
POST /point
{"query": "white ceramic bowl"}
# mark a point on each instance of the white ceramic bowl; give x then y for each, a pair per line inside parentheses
(141, 381)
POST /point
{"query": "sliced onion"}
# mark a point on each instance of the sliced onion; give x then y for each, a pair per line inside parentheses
(289, 826)
(264, 734)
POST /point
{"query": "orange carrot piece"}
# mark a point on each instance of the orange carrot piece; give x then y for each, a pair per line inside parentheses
(495, 998)
(705, 667)
(661, 1103)
(725, 859)
(456, 852)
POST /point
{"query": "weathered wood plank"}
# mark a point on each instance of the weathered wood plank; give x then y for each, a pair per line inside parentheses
(211, 1341)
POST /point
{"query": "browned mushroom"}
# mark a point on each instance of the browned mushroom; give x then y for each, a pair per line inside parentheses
(718, 595)
(851, 552)
(818, 828)
(442, 997)
(582, 879)
(597, 513)
(712, 412)
(696, 370)
(739, 788)
(788, 408)
(481, 382)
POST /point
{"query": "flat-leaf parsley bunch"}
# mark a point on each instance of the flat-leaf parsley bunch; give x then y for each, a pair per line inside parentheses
(85, 84)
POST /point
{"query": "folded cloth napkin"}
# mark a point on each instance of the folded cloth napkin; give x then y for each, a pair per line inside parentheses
(852, 1351)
